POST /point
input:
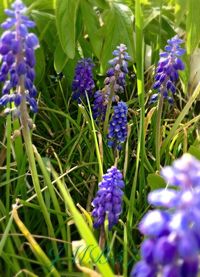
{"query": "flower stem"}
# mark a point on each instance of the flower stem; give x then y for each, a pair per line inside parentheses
(158, 139)
(8, 156)
(102, 237)
(99, 156)
(108, 109)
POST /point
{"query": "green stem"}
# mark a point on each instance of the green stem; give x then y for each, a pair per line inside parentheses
(125, 253)
(141, 155)
(8, 157)
(102, 237)
(95, 141)
(69, 250)
(108, 109)
(158, 139)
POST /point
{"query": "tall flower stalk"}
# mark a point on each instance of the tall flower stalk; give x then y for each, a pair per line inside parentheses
(114, 84)
(17, 72)
(83, 79)
(165, 81)
(117, 131)
(108, 202)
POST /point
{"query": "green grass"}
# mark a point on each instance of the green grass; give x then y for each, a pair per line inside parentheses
(53, 171)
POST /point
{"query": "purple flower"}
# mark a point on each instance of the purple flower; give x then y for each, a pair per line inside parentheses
(18, 60)
(117, 132)
(167, 70)
(108, 200)
(83, 80)
(114, 82)
(184, 172)
(172, 244)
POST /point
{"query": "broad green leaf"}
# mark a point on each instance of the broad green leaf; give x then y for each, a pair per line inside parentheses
(103, 4)
(154, 13)
(40, 4)
(60, 58)
(69, 68)
(40, 65)
(92, 25)
(192, 25)
(155, 181)
(118, 28)
(180, 10)
(195, 151)
(153, 28)
(45, 23)
(66, 13)
(86, 48)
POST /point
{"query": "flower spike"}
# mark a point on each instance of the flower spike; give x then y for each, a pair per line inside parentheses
(108, 200)
(17, 48)
(167, 70)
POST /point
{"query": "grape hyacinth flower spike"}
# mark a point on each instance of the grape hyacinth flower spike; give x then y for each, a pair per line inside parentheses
(17, 48)
(108, 200)
(167, 70)
(114, 82)
(83, 80)
(117, 132)
(172, 237)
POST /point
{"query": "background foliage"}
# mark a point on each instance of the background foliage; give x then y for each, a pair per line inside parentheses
(67, 31)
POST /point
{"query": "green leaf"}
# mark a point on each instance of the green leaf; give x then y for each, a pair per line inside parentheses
(46, 26)
(103, 4)
(192, 25)
(40, 65)
(66, 13)
(92, 25)
(118, 28)
(195, 151)
(155, 181)
(151, 16)
(180, 10)
(40, 4)
(3, 6)
(69, 68)
(60, 58)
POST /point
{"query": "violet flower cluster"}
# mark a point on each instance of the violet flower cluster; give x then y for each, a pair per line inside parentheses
(83, 80)
(172, 244)
(117, 132)
(167, 70)
(108, 200)
(17, 47)
(114, 82)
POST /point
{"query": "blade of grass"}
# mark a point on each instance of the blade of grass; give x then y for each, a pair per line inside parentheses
(55, 202)
(95, 140)
(125, 253)
(181, 116)
(33, 169)
(5, 234)
(48, 266)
